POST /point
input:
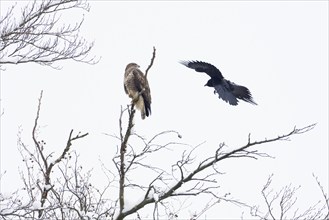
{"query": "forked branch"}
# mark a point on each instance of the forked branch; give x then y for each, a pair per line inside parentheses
(47, 166)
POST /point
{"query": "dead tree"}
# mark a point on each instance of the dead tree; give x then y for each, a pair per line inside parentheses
(41, 36)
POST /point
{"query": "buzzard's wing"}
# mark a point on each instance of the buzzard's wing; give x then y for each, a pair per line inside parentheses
(231, 92)
(140, 82)
(200, 66)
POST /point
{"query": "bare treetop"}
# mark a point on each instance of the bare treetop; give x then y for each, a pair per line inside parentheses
(40, 35)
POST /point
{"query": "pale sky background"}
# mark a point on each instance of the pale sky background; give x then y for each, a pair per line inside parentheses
(279, 50)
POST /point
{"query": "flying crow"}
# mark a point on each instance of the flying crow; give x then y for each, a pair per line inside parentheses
(226, 90)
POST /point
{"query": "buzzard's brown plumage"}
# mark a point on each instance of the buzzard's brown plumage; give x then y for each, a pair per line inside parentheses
(138, 89)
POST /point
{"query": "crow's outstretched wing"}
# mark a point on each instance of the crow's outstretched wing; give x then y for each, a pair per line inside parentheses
(200, 66)
(231, 92)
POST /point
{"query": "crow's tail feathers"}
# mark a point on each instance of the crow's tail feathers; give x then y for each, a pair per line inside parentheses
(244, 94)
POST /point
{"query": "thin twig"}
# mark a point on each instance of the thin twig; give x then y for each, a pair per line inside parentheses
(151, 64)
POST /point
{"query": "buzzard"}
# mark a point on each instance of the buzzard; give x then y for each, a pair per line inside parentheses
(226, 90)
(138, 89)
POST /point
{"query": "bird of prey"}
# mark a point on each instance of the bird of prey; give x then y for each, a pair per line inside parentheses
(137, 88)
(226, 90)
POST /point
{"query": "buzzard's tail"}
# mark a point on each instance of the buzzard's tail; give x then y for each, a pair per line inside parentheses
(244, 94)
(143, 106)
(147, 107)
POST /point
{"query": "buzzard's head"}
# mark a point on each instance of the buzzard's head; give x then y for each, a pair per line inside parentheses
(132, 65)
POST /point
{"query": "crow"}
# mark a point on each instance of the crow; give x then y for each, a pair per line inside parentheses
(226, 90)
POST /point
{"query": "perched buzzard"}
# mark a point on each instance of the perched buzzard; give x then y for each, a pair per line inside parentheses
(137, 87)
(226, 90)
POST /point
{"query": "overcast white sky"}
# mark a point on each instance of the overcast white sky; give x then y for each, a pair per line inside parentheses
(279, 50)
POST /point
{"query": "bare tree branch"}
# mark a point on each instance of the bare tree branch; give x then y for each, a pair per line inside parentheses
(151, 64)
(48, 166)
(197, 185)
(325, 197)
(41, 36)
(281, 204)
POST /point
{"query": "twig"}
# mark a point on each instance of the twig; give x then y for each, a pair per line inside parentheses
(152, 60)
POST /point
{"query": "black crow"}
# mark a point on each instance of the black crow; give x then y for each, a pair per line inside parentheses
(226, 90)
